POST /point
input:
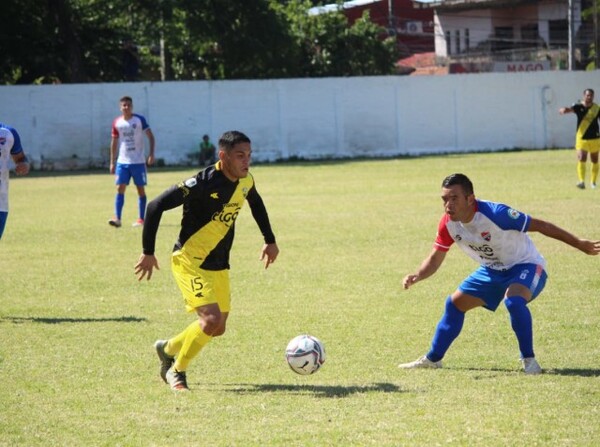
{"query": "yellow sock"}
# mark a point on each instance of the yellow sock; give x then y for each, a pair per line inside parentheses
(581, 170)
(174, 345)
(595, 169)
(195, 340)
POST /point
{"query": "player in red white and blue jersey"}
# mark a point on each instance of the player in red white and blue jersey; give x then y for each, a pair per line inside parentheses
(128, 137)
(511, 268)
(10, 147)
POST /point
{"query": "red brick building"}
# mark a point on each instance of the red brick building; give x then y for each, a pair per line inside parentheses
(412, 26)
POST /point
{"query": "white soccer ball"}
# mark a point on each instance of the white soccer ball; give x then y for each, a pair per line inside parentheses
(305, 354)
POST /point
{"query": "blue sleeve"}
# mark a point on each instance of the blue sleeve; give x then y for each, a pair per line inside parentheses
(17, 148)
(145, 124)
(504, 216)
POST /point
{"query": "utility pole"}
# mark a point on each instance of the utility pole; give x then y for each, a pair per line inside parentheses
(596, 39)
(391, 19)
(571, 25)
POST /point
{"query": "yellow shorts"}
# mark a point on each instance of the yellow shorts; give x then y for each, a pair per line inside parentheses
(200, 287)
(588, 145)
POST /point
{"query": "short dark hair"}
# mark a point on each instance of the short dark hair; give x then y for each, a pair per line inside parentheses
(459, 179)
(231, 138)
(591, 90)
(126, 98)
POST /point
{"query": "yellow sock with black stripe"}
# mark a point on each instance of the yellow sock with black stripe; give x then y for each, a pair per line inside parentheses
(581, 170)
(595, 169)
(195, 340)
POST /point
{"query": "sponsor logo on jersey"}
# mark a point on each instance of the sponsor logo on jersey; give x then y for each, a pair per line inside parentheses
(215, 195)
(485, 250)
(486, 236)
(513, 214)
(245, 192)
(227, 215)
(191, 182)
(184, 189)
(186, 185)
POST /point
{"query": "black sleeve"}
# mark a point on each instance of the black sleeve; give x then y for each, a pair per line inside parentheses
(171, 198)
(259, 212)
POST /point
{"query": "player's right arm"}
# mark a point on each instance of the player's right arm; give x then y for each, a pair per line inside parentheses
(428, 267)
(171, 198)
(113, 153)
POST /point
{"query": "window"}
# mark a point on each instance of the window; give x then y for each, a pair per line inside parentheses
(467, 39)
(530, 35)
(457, 40)
(448, 47)
(503, 38)
(559, 33)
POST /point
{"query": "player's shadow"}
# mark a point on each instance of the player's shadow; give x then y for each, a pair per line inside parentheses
(316, 390)
(581, 372)
(59, 320)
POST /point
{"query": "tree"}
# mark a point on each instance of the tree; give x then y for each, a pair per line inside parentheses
(329, 46)
(74, 40)
(591, 13)
(233, 40)
(117, 40)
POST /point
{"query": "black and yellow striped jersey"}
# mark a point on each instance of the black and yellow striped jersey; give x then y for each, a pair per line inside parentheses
(211, 204)
(590, 116)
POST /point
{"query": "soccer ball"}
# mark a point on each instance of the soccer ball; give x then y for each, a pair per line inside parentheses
(305, 354)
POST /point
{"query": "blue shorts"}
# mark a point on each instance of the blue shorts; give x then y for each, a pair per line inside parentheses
(124, 173)
(490, 285)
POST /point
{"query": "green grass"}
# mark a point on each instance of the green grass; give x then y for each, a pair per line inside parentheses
(76, 328)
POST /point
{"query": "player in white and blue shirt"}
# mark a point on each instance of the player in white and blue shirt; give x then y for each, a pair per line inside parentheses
(127, 141)
(10, 147)
(511, 268)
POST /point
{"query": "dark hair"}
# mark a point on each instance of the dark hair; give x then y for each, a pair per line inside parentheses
(126, 98)
(231, 138)
(459, 179)
(591, 90)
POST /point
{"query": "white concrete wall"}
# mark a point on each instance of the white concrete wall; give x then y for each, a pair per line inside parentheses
(307, 118)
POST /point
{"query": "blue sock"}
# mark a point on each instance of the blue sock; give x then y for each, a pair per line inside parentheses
(3, 217)
(119, 202)
(142, 206)
(521, 322)
(447, 330)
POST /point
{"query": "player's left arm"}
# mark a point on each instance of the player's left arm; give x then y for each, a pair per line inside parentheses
(152, 143)
(555, 232)
(21, 163)
(270, 250)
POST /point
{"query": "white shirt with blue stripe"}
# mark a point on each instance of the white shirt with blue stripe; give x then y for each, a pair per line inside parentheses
(496, 236)
(10, 144)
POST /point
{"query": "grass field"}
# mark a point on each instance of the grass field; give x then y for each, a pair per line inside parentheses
(76, 328)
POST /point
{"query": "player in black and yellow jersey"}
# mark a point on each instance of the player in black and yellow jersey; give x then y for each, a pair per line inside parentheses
(211, 200)
(587, 138)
